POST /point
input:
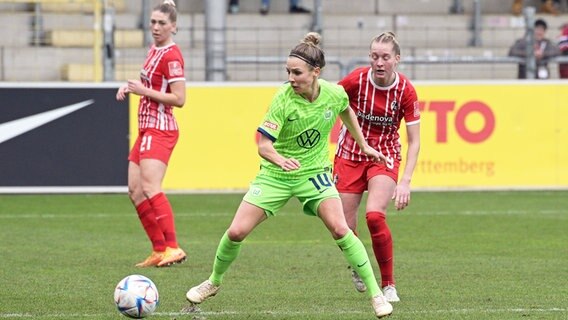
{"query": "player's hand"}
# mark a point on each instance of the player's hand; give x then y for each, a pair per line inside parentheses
(290, 164)
(401, 196)
(377, 156)
(122, 92)
(136, 87)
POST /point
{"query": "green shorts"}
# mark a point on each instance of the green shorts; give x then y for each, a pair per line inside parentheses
(271, 194)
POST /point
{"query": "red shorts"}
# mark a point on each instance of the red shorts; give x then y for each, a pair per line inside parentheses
(154, 144)
(353, 176)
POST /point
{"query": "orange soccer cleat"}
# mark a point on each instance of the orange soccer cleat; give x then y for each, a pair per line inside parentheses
(172, 256)
(152, 260)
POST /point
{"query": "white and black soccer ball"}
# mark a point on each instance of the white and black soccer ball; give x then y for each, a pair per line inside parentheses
(136, 296)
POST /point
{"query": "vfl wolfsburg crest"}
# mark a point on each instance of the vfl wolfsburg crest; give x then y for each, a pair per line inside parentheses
(327, 115)
(309, 138)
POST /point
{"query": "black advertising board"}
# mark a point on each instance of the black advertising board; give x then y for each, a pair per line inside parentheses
(67, 136)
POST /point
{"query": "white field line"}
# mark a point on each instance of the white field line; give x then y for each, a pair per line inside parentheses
(230, 214)
(293, 313)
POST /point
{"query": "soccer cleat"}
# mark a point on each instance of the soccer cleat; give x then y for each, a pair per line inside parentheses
(381, 306)
(390, 294)
(357, 281)
(172, 256)
(201, 292)
(152, 260)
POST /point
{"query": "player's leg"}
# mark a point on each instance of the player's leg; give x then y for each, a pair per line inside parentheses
(354, 251)
(248, 216)
(381, 188)
(144, 208)
(350, 181)
(156, 150)
(330, 212)
(350, 202)
(152, 174)
(266, 196)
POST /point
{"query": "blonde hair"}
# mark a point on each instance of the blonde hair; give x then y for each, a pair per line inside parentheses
(308, 50)
(387, 37)
(168, 7)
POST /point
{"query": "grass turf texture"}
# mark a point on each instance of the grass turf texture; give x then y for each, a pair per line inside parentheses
(459, 255)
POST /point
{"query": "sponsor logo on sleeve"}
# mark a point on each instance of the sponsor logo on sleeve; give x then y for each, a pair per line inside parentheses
(175, 68)
(416, 109)
(270, 125)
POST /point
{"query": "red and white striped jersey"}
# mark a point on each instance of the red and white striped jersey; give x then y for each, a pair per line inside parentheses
(163, 66)
(379, 111)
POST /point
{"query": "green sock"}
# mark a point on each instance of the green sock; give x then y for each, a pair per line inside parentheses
(227, 252)
(355, 253)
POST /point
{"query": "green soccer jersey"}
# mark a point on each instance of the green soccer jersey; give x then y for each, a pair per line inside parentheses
(300, 129)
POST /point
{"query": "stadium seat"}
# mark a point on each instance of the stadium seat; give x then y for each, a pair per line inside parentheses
(76, 72)
(86, 38)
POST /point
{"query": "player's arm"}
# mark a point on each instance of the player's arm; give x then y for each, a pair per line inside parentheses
(266, 151)
(401, 194)
(350, 121)
(174, 98)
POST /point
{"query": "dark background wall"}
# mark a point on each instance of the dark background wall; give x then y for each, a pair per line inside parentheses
(86, 147)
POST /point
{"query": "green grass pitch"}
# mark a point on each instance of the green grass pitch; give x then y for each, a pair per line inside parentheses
(458, 255)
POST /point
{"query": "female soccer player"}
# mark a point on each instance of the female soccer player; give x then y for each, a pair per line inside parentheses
(161, 87)
(294, 146)
(381, 98)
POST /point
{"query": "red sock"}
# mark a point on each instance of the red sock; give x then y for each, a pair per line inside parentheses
(153, 230)
(165, 218)
(382, 245)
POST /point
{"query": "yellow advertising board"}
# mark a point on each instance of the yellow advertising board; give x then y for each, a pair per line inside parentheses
(473, 135)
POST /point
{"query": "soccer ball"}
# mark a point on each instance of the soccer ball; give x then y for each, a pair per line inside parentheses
(136, 296)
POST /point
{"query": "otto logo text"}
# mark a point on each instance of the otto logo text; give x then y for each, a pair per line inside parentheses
(442, 109)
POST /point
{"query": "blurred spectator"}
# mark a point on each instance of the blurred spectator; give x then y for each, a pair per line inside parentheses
(265, 7)
(544, 49)
(517, 7)
(234, 6)
(550, 6)
(547, 6)
(457, 7)
(563, 46)
(294, 7)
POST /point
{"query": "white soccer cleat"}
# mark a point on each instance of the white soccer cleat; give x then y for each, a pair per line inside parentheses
(201, 292)
(381, 306)
(390, 294)
(357, 281)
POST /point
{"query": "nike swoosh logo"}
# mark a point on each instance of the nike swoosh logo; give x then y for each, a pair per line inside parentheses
(14, 128)
(221, 259)
(364, 263)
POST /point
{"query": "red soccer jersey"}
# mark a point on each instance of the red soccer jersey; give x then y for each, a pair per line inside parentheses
(379, 111)
(163, 66)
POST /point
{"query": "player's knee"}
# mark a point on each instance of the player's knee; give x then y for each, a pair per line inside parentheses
(236, 234)
(378, 228)
(375, 221)
(339, 232)
(135, 195)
